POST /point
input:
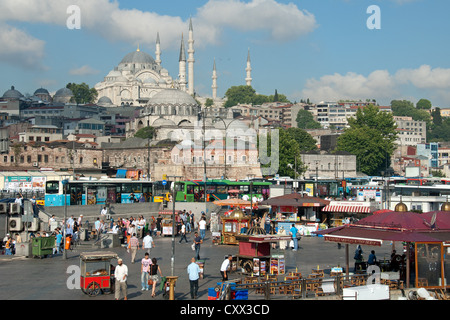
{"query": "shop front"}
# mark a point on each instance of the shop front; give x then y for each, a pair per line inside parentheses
(339, 213)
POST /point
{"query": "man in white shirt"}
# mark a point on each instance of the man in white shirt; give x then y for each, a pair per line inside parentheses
(193, 271)
(104, 211)
(147, 243)
(121, 274)
(224, 268)
(202, 228)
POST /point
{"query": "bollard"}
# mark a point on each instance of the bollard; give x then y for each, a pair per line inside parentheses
(172, 280)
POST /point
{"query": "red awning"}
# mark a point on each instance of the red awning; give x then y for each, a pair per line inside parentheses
(346, 208)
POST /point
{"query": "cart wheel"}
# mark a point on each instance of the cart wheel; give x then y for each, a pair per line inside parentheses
(93, 289)
(248, 266)
(217, 288)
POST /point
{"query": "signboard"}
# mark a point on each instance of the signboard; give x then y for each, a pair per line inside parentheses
(309, 189)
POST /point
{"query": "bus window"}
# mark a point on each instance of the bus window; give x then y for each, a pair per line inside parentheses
(52, 187)
(222, 189)
(244, 189)
(210, 189)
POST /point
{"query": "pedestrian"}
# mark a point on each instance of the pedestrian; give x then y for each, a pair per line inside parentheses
(145, 268)
(198, 241)
(147, 243)
(154, 269)
(80, 220)
(358, 257)
(133, 246)
(225, 267)
(140, 227)
(8, 246)
(188, 223)
(183, 232)
(158, 224)
(57, 248)
(202, 227)
(193, 271)
(121, 275)
(192, 220)
(372, 260)
(293, 231)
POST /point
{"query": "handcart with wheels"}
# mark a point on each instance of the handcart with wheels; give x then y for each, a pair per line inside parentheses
(97, 274)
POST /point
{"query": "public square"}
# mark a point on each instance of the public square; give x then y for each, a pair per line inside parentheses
(47, 278)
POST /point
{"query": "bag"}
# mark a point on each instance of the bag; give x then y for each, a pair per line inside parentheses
(193, 246)
(150, 282)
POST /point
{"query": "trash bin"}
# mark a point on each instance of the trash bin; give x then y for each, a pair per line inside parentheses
(67, 243)
(42, 246)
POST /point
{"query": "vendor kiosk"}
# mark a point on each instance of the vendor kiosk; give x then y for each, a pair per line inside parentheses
(254, 254)
(233, 225)
(167, 223)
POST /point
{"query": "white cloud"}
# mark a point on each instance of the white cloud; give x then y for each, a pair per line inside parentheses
(19, 48)
(83, 71)
(280, 21)
(380, 85)
(283, 22)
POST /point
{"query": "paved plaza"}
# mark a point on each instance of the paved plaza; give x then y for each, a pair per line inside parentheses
(46, 279)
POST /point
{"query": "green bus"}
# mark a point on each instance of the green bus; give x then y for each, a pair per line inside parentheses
(194, 191)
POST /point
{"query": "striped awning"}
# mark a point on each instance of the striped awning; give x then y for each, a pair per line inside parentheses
(347, 208)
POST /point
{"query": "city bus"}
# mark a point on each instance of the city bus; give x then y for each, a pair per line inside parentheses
(193, 191)
(102, 192)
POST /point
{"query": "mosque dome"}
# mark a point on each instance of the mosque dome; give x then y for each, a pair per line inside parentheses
(150, 80)
(12, 94)
(64, 92)
(138, 57)
(401, 207)
(104, 101)
(41, 91)
(172, 97)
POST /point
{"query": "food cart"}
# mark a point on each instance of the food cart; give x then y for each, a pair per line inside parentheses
(233, 225)
(254, 253)
(97, 275)
(167, 222)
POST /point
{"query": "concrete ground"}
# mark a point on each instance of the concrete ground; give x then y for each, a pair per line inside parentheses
(48, 278)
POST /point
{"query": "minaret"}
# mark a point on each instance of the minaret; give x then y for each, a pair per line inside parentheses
(214, 81)
(182, 75)
(158, 50)
(191, 59)
(248, 79)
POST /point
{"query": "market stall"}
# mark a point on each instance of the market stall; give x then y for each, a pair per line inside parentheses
(232, 225)
(339, 212)
(298, 209)
(167, 222)
(255, 256)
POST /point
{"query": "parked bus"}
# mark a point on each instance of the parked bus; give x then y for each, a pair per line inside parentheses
(103, 191)
(194, 191)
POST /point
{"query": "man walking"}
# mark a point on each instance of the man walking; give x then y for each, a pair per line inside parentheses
(147, 243)
(193, 271)
(183, 232)
(225, 267)
(145, 268)
(134, 246)
(198, 241)
(293, 232)
(202, 227)
(121, 275)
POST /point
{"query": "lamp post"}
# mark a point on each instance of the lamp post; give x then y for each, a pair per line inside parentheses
(64, 183)
(174, 195)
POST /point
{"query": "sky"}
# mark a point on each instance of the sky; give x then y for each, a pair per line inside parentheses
(324, 50)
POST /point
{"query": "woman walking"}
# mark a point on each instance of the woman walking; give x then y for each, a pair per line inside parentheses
(154, 269)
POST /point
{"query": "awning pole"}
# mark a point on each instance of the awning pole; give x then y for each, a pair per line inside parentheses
(407, 264)
(347, 261)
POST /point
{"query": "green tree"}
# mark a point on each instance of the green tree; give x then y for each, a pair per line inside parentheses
(145, 133)
(209, 102)
(423, 104)
(287, 151)
(305, 141)
(305, 120)
(404, 108)
(239, 94)
(371, 137)
(82, 93)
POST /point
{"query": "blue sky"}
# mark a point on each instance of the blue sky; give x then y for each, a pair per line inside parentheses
(320, 50)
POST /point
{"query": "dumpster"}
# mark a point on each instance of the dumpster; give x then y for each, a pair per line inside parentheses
(42, 246)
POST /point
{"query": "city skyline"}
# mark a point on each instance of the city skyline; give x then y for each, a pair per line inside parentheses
(303, 49)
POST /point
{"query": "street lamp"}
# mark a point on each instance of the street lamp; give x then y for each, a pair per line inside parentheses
(64, 183)
(174, 195)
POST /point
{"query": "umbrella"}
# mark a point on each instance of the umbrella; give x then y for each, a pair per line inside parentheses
(233, 203)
